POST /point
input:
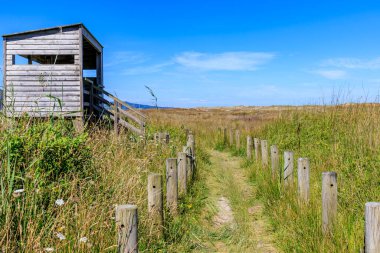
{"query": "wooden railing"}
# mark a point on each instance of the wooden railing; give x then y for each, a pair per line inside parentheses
(102, 103)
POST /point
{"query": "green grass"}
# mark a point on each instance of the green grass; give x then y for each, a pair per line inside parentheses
(92, 172)
(341, 139)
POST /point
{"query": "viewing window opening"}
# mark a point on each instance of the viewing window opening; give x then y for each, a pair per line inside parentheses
(42, 59)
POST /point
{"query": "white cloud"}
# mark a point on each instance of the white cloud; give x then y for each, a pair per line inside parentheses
(125, 57)
(331, 74)
(140, 70)
(352, 63)
(228, 61)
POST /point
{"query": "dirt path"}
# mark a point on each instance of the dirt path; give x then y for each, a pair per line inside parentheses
(233, 219)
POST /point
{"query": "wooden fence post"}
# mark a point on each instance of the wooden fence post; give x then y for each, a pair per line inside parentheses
(155, 205)
(116, 117)
(186, 149)
(303, 179)
(372, 227)
(329, 200)
(172, 185)
(264, 153)
(275, 160)
(256, 142)
(231, 137)
(127, 224)
(288, 167)
(249, 147)
(182, 173)
(237, 136)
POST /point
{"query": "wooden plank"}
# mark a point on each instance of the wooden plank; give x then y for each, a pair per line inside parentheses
(42, 51)
(44, 42)
(44, 46)
(44, 104)
(42, 84)
(41, 98)
(55, 36)
(92, 40)
(46, 73)
(44, 94)
(40, 89)
(47, 67)
(42, 79)
(44, 113)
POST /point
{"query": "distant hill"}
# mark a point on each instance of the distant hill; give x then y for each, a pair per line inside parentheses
(140, 106)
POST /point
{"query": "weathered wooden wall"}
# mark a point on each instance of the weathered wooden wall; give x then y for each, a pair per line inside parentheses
(28, 87)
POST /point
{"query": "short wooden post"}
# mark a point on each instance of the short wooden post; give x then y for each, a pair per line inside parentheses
(224, 135)
(167, 138)
(303, 179)
(231, 137)
(191, 144)
(329, 200)
(155, 203)
(264, 153)
(249, 147)
(256, 142)
(237, 136)
(116, 117)
(171, 185)
(126, 223)
(275, 160)
(372, 227)
(182, 173)
(189, 172)
(288, 167)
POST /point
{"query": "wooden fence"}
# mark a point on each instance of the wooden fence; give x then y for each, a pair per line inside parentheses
(179, 175)
(329, 194)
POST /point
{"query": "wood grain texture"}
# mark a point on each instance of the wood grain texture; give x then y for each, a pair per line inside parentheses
(303, 179)
(172, 185)
(182, 173)
(127, 225)
(288, 168)
(329, 200)
(256, 142)
(275, 161)
(372, 227)
(155, 204)
(264, 153)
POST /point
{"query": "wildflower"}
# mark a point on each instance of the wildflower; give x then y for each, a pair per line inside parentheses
(59, 202)
(49, 249)
(17, 193)
(83, 239)
(60, 236)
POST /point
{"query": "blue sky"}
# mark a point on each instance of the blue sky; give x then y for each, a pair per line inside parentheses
(222, 53)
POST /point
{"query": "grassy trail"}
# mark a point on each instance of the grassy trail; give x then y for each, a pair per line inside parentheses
(233, 219)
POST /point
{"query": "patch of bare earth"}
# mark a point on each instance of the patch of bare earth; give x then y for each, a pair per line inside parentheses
(235, 209)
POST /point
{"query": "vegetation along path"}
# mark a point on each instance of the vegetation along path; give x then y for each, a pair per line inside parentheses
(233, 219)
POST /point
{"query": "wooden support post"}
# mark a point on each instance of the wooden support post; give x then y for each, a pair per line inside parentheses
(172, 185)
(275, 160)
(288, 168)
(167, 138)
(237, 136)
(264, 153)
(182, 173)
(191, 144)
(224, 136)
(372, 227)
(155, 204)
(329, 200)
(231, 138)
(256, 142)
(116, 117)
(126, 223)
(303, 179)
(249, 147)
